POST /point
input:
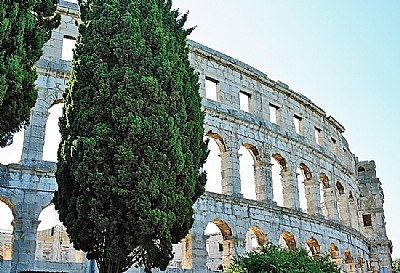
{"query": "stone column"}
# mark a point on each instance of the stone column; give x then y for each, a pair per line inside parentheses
(313, 196)
(330, 203)
(229, 252)
(187, 255)
(344, 209)
(24, 245)
(230, 171)
(354, 214)
(35, 133)
(290, 189)
(199, 253)
(240, 246)
(263, 181)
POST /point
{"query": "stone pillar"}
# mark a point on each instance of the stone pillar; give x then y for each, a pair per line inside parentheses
(240, 246)
(228, 253)
(344, 209)
(354, 214)
(263, 181)
(24, 245)
(230, 171)
(199, 253)
(35, 133)
(187, 255)
(330, 203)
(290, 189)
(313, 196)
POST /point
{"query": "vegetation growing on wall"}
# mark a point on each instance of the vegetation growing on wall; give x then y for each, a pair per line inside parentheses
(25, 26)
(274, 259)
(396, 265)
(132, 135)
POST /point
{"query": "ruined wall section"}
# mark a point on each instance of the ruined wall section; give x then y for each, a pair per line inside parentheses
(372, 216)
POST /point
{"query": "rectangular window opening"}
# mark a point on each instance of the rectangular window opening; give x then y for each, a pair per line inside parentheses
(245, 99)
(367, 220)
(318, 136)
(212, 86)
(334, 145)
(68, 46)
(298, 124)
(273, 113)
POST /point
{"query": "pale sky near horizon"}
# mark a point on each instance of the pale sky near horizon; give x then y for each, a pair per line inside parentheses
(343, 55)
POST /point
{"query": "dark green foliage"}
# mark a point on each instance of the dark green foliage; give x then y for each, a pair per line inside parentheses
(273, 259)
(132, 135)
(396, 265)
(25, 26)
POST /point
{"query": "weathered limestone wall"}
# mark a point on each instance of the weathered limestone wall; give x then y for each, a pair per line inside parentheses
(334, 221)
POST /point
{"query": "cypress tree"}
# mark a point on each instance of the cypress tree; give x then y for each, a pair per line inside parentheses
(132, 145)
(25, 26)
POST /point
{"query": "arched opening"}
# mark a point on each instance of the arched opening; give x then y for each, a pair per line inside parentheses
(323, 185)
(303, 176)
(247, 158)
(52, 135)
(52, 241)
(213, 166)
(13, 152)
(349, 260)
(342, 202)
(314, 247)
(287, 240)
(219, 244)
(6, 230)
(278, 167)
(255, 238)
(361, 171)
(334, 254)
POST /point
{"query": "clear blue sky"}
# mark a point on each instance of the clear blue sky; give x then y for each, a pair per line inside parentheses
(343, 55)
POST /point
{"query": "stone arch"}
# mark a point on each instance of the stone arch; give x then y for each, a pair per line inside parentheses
(281, 161)
(287, 238)
(218, 139)
(255, 238)
(213, 165)
(220, 245)
(281, 180)
(7, 212)
(314, 246)
(334, 251)
(349, 261)
(324, 180)
(6, 198)
(307, 192)
(305, 171)
(339, 188)
(248, 158)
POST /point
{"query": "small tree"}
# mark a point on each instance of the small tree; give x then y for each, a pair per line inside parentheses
(25, 26)
(132, 135)
(396, 265)
(273, 259)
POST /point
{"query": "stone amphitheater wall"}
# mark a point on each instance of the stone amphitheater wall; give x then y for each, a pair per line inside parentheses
(326, 162)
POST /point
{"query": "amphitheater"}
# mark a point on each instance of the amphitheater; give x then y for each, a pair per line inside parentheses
(344, 214)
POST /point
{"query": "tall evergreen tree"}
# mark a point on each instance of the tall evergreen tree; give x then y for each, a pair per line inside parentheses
(132, 135)
(25, 26)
